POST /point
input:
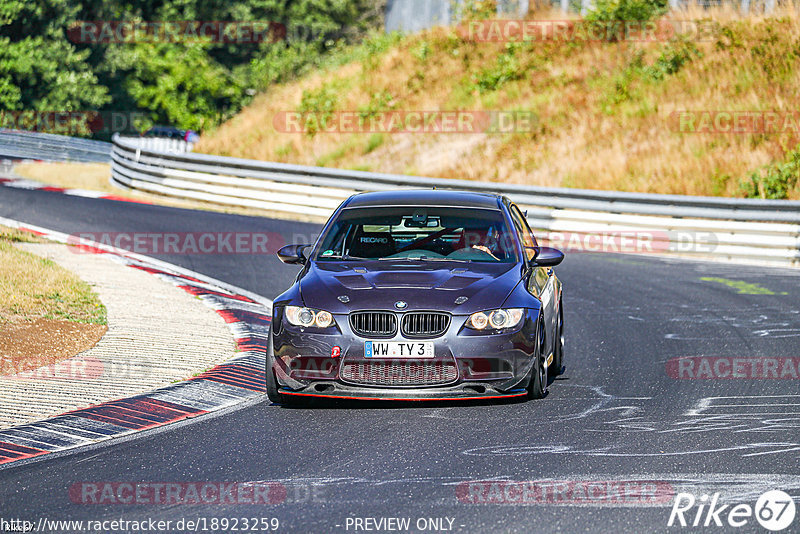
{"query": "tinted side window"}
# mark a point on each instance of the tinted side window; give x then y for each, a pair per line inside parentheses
(524, 222)
(524, 231)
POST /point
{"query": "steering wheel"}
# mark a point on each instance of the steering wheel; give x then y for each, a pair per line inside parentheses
(471, 253)
(416, 254)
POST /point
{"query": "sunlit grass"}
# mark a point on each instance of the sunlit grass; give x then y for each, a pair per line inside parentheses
(603, 108)
(32, 287)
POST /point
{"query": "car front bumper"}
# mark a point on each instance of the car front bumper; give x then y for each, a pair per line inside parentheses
(466, 365)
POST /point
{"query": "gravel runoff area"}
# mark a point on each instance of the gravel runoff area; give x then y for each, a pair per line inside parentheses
(157, 334)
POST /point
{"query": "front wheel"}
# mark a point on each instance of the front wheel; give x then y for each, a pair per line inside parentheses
(272, 386)
(272, 383)
(558, 350)
(537, 387)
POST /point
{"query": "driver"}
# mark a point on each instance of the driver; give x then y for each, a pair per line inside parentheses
(483, 239)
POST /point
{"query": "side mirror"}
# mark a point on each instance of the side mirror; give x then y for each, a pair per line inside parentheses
(548, 257)
(293, 254)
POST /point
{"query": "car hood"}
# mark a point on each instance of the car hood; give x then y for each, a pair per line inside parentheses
(423, 286)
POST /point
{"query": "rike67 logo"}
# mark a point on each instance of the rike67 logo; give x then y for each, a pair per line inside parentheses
(774, 510)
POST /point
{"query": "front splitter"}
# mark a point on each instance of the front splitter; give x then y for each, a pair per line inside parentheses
(337, 391)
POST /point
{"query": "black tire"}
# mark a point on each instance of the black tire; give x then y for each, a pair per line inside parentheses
(537, 386)
(557, 367)
(272, 383)
(272, 387)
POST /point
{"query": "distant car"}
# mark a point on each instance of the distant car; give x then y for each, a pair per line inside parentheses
(170, 132)
(418, 295)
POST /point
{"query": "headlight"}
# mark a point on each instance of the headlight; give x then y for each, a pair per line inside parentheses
(324, 319)
(307, 317)
(496, 319)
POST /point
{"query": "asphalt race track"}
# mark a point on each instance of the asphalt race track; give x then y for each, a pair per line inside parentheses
(616, 415)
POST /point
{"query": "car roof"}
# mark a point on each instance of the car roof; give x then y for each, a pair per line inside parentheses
(431, 197)
(164, 130)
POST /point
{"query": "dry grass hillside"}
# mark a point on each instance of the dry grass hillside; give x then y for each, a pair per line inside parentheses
(604, 111)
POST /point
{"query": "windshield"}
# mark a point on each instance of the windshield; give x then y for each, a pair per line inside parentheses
(414, 233)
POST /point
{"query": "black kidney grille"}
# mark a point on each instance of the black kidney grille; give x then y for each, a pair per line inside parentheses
(399, 373)
(374, 324)
(425, 324)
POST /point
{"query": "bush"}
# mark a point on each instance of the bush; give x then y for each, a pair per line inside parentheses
(507, 68)
(378, 102)
(777, 53)
(375, 140)
(319, 104)
(622, 85)
(626, 10)
(777, 181)
(672, 59)
(475, 9)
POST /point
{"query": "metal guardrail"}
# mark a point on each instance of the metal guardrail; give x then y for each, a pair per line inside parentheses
(736, 229)
(21, 145)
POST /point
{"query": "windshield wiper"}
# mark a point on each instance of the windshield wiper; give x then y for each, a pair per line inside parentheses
(344, 257)
(447, 259)
(423, 258)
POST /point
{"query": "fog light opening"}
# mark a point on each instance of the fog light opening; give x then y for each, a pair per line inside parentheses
(476, 389)
(323, 387)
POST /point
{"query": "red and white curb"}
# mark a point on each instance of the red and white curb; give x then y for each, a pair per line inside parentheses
(237, 380)
(24, 183)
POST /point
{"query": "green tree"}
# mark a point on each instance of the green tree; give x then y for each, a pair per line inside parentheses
(190, 85)
(39, 69)
(181, 84)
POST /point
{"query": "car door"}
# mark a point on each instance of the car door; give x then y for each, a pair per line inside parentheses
(542, 279)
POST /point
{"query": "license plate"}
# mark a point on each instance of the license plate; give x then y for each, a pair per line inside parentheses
(398, 349)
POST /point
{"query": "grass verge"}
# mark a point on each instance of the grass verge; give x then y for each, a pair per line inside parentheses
(47, 314)
(36, 288)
